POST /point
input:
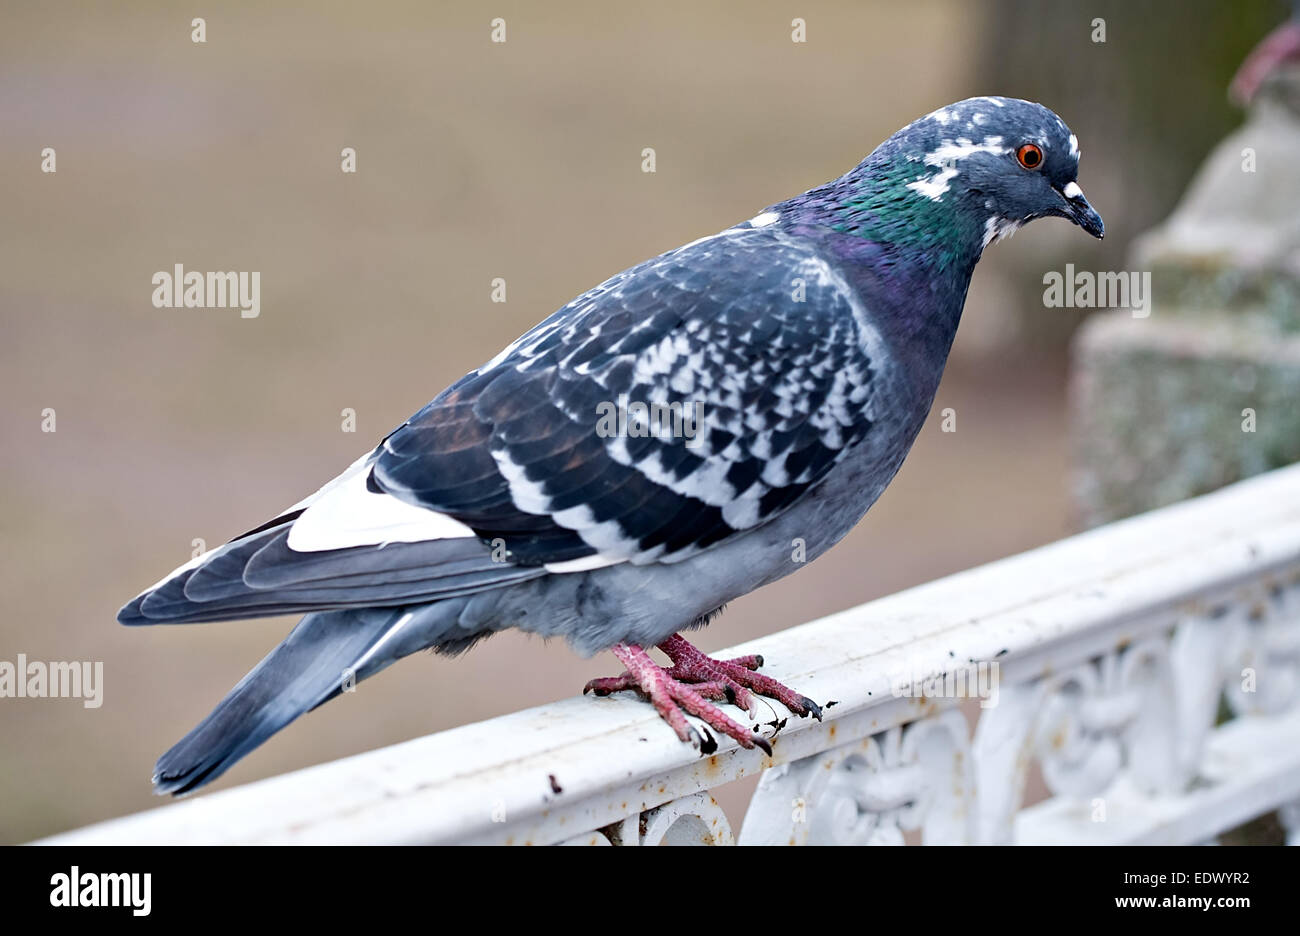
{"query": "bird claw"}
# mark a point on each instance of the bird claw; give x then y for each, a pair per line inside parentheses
(687, 686)
(607, 684)
(692, 665)
(813, 708)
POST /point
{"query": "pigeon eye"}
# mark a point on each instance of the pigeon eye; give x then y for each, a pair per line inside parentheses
(1029, 156)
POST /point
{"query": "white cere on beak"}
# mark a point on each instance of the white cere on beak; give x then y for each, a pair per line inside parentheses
(1072, 190)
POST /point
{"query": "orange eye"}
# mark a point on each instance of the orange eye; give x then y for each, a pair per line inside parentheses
(1029, 156)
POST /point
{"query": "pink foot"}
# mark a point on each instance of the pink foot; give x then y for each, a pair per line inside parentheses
(692, 665)
(733, 680)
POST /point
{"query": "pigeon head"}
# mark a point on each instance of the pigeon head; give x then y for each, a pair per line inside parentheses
(1001, 160)
(961, 177)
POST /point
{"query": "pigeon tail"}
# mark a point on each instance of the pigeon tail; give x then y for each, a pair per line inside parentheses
(326, 654)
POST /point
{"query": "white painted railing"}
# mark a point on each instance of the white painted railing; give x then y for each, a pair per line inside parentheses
(1112, 652)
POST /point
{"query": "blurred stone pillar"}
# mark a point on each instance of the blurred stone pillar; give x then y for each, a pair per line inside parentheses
(1206, 390)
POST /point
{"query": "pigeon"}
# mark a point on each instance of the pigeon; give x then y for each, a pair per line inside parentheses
(693, 428)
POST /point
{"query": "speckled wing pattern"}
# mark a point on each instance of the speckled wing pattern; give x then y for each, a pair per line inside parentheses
(751, 332)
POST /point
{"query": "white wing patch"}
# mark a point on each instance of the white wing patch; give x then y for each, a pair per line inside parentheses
(365, 461)
(345, 514)
(584, 564)
(357, 468)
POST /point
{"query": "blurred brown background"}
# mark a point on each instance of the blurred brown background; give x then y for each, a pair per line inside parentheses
(475, 160)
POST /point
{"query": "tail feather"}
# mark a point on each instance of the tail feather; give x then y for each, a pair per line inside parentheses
(311, 666)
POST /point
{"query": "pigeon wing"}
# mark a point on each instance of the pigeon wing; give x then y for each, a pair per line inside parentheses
(547, 459)
(682, 402)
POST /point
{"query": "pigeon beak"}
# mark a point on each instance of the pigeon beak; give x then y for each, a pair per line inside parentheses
(1080, 212)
